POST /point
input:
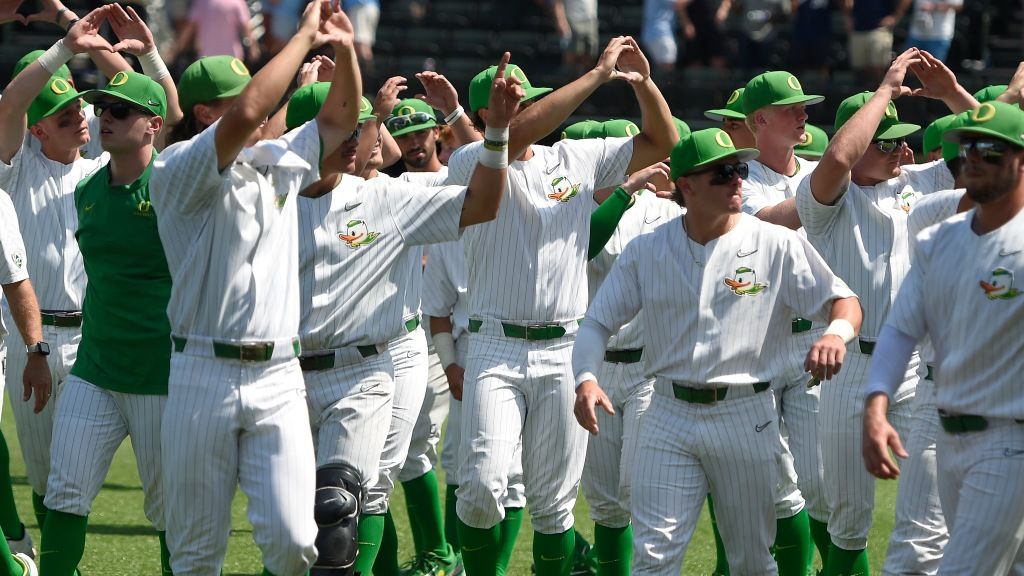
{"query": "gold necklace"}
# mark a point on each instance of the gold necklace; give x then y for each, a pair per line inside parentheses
(686, 238)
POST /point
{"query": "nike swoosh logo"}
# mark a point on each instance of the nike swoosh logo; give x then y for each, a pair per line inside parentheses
(89, 207)
(551, 558)
(652, 220)
(471, 549)
(548, 170)
(353, 205)
(1010, 452)
(1005, 252)
(744, 254)
(761, 427)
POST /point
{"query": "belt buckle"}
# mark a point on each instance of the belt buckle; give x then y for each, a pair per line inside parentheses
(255, 352)
(543, 328)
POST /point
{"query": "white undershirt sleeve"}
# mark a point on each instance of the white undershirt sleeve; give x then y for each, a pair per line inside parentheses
(588, 350)
(889, 362)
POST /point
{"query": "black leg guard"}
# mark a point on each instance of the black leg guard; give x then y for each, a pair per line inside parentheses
(336, 511)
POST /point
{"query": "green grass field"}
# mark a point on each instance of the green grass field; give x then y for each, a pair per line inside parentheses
(122, 543)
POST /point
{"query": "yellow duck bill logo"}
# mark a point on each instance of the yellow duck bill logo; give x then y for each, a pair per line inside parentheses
(1000, 285)
(563, 190)
(744, 283)
(357, 234)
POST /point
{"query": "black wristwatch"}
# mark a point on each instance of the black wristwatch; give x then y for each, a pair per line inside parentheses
(41, 348)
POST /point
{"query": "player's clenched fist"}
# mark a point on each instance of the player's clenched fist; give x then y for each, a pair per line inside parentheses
(588, 397)
(825, 357)
(506, 92)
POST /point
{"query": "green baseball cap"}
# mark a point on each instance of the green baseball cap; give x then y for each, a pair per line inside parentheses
(733, 108)
(211, 78)
(136, 88)
(890, 127)
(990, 93)
(580, 130)
(682, 127)
(951, 149)
(62, 72)
(57, 94)
(704, 147)
(307, 101)
(994, 119)
(480, 86)
(814, 143)
(618, 129)
(777, 88)
(933, 132)
(412, 115)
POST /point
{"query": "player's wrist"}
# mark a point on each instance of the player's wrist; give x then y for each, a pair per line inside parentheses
(55, 56)
(495, 149)
(152, 64)
(444, 346)
(843, 329)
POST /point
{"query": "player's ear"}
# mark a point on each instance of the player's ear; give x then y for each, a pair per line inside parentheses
(156, 123)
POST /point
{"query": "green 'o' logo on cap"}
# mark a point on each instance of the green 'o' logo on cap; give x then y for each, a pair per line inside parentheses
(723, 140)
(733, 97)
(364, 105)
(890, 110)
(238, 67)
(808, 138)
(119, 79)
(984, 113)
(519, 74)
(631, 129)
(59, 86)
(405, 111)
(564, 135)
(793, 83)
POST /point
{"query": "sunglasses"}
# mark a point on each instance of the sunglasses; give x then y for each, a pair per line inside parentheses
(991, 151)
(119, 110)
(354, 136)
(723, 173)
(889, 146)
(405, 120)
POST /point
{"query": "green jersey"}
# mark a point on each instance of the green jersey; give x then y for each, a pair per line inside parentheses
(126, 344)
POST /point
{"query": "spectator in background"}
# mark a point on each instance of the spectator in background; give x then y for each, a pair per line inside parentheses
(280, 21)
(932, 25)
(869, 24)
(576, 21)
(757, 32)
(364, 15)
(810, 41)
(658, 33)
(217, 28)
(705, 42)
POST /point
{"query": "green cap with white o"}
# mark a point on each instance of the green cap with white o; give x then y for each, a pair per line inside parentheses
(997, 120)
(480, 86)
(705, 147)
(733, 108)
(777, 88)
(889, 128)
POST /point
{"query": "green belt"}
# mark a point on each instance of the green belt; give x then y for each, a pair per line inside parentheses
(867, 347)
(250, 352)
(62, 319)
(929, 375)
(629, 356)
(961, 423)
(801, 325)
(530, 332)
(709, 395)
(410, 325)
(326, 361)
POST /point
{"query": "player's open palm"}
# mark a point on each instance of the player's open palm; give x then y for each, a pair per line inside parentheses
(387, 96)
(48, 10)
(633, 63)
(642, 179)
(608, 63)
(135, 37)
(879, 436)
(335, 28)
(84, 36)
(438, 91)
(897, 72)
(937, 80)
(588, 397)
(825, 357)
(9, 12)
(506, 92)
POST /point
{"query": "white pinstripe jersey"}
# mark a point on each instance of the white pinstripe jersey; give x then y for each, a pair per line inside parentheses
(444, 286)
(961, 292)
(412, 289)
(765, 187)
(43, 192)
(355, 252)
(530, 264)
(13, 264)
(231, 237)
(703, 329)
(648, 213)
(864, 236)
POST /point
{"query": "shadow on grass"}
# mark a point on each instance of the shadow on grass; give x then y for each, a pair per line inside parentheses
(23, 481)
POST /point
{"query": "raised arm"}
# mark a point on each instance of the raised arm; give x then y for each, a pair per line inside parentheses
(339, 116)
(441, 95)
(939, 82)
(137, 39)
(658, 132)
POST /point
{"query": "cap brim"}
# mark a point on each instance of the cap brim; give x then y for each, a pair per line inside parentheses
(59, 106)
(414, 128)
(534, 92)
(898, 130)
(720, 115)
(807, 99)
(91, 95)
(955, 134)
(740, 155)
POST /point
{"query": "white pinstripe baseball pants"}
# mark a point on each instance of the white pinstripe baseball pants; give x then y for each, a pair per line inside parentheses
(426, 433)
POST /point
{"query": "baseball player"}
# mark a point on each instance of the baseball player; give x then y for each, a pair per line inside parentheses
(40, 165)
(775, 107)
(813, 144)
(112, 395)
(236, 409)
(527, 294)
(733, 119)
(709, 425)
(859, 193)
(962, 278)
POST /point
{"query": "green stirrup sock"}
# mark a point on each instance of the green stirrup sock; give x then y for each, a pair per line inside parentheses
(451, 518)
(847, 562)
(267, 572)
(39, 509)
(63, 543)
(10, 521)
(507, 537)
(8, 565)
(822, 541)
(386, 563)
(793, 547)
(721, 560)
(370, 533)
(165, 555)
(614, 550)
(480, 548)
(605, 218)
(424, 503)
(552, 553)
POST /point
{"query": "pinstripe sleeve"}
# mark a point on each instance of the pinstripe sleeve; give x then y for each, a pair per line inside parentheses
(817, 218)
(305, 141)
(185, 175)
(907, 314)
(619, 298)
(462, 163)
(13, 266)
(426, 215)
(753, 198)
(611, 166)
(439, 292)
(9, 173)
(810, 286)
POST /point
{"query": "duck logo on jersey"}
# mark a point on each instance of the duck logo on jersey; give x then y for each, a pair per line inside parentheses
(744, 282)
(19, 259)
(1000, 285)
(357, 234)
(905, 200)
(563, 190)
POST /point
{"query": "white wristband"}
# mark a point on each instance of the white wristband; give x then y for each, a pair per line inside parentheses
(496, 134)
(55, 57)
(153, 66)
(495, 152)
(843, 329)
(455, 115)
(444, 345)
